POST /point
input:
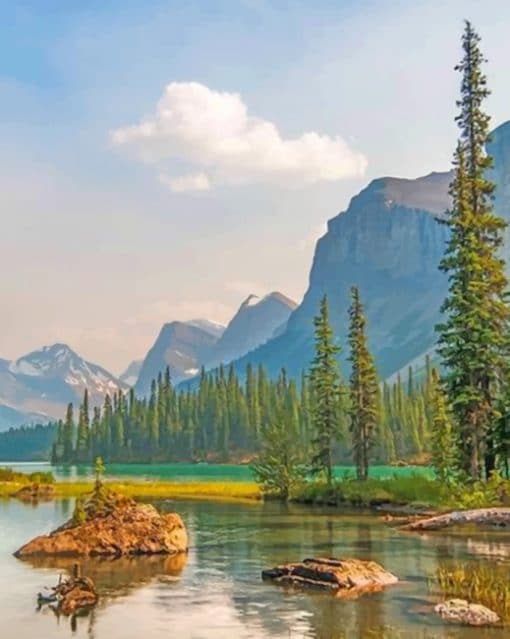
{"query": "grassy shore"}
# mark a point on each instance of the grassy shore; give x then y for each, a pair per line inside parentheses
(150, 490)
(414, 490)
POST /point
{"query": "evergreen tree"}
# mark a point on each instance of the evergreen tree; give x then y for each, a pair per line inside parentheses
(363, 389)
(443, 443)
(279, 465)
(68, 452)
(83, 434)
(325, 382)
(473, 339)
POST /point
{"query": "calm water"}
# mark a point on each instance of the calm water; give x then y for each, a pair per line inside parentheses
(188, 472)
(218, 592)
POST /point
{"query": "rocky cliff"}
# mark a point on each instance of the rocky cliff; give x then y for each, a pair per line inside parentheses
(389, 243)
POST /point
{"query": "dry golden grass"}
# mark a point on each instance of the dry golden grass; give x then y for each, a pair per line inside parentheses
(248, 491)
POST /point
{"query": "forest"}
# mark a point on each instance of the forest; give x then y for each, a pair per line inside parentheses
(225, 419)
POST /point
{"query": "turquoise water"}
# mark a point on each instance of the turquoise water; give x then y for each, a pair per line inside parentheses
(216, 591)
(190, 472)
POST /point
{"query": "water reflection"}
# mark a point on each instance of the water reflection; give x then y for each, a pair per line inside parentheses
(218, 593)
(113, 578)
(117, 576)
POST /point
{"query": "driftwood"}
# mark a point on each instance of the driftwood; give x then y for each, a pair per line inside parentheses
(483, 516)
(72, 594)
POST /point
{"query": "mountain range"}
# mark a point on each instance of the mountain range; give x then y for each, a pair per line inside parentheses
(186, 347)
(388, 242)
(38, 386)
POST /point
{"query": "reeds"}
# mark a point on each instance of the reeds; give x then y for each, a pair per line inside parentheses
(484, 584)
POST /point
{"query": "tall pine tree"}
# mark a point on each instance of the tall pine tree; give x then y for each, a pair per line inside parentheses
(473, 340)
(364, 401)
(325, 385)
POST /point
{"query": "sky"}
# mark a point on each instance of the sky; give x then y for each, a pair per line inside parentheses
(162, 160)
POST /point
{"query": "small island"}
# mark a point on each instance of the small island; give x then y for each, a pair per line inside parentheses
(110, 524)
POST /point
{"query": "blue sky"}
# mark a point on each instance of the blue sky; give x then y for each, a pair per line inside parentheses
(100, 245)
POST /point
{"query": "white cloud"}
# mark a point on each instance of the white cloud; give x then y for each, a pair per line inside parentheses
(213, 130)
(183, 183)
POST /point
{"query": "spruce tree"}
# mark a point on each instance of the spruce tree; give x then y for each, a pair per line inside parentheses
(364, 402)
(279, 466)
(83, 434)
(325, 385)
(443, 443)
(68, 453)
(473, 342)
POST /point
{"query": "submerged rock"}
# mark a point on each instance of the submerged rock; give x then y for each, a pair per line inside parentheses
(469, 614)
(112, 525)
(341, 576)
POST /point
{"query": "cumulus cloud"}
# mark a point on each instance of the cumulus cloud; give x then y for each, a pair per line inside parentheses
(214, 132)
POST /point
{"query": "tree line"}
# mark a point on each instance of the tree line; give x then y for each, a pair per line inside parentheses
(320, 417)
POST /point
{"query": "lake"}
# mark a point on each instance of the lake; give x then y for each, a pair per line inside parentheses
(190, 472)
(217, 592)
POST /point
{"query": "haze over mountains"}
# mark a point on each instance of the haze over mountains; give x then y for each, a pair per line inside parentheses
(187, 346)
(38, 386)
(388, 242)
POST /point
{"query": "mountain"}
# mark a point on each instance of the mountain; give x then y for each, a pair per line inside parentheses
(130, 375)
(213, 328)
(181, 346)
(256, 321)
(187, 346)
(389, 243)
(39, 385)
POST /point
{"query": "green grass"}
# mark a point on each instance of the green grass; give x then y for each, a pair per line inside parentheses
(413, 489)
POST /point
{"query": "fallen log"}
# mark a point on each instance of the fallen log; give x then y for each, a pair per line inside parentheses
(481, 516)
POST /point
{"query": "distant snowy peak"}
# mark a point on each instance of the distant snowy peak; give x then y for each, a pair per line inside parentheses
(38, 386)
(59, 361)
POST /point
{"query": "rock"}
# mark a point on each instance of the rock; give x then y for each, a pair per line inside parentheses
(36, 492)
(341, 576)
(469, 614)
(113, 526)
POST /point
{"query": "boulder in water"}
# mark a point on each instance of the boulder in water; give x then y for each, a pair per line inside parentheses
(340, 576)
(462, 612)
